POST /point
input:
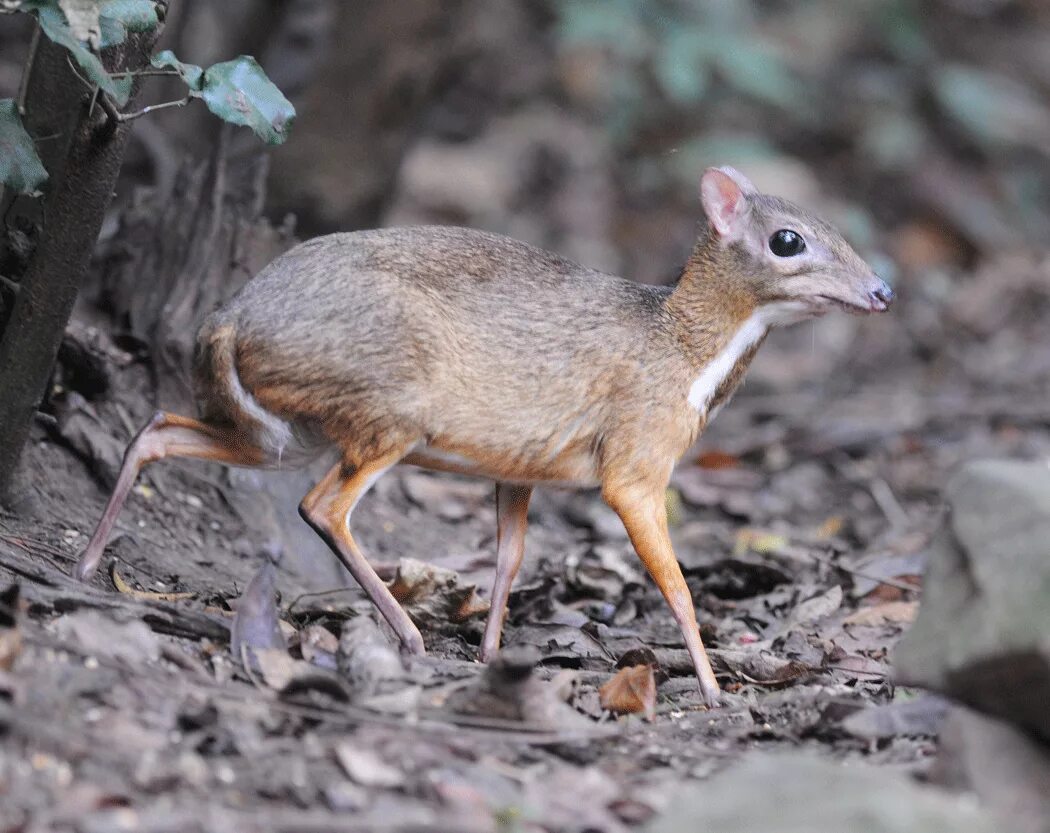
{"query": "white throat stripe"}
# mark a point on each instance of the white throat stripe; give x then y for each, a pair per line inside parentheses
(702, 391)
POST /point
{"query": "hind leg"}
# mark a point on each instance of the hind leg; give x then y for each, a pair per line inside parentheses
(512, 509)
(328, 508)
(165, 435)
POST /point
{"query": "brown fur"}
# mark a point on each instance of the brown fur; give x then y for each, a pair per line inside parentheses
(534, 367)
(467, 351)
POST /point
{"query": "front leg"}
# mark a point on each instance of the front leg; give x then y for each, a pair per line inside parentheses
(644, 514)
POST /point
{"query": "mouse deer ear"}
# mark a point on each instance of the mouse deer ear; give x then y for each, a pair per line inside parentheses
(745, 184)
(723, 193)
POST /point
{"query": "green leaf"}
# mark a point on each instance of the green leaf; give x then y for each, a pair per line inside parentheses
(20, 167)
(239, 92)
(54, 25)
(119, 17)
(191, 73)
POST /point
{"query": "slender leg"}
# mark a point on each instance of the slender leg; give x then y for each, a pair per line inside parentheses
(165, 435)
(644, 515)
(512, 509)
(327, 508)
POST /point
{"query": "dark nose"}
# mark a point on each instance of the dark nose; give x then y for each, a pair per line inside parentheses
(881, 296)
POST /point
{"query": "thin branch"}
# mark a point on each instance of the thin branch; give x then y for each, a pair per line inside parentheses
(110, 109)
(143, 72)
(113, 115)
(318, 594)
(182, 102)
(89, 84)
(97, 96)
(23, 86)
(8, 283)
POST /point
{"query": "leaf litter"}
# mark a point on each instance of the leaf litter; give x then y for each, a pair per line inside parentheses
(803, 572)
(312, 702)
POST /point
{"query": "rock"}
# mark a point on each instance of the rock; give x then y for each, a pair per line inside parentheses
(921, 716)
(797, 793)
(981, 633)
(1008, 770)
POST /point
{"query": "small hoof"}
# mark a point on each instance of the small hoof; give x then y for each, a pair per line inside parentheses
(712, 697)
(85, 570)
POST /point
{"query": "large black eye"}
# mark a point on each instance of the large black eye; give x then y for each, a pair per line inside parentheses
(786, 243)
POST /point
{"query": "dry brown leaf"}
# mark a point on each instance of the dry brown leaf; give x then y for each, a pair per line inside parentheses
(892, 593)
(631, 691)
(128, 590)
(472, 605)
(760, 667)
(717, 460)
(434, 595)
(894, 613)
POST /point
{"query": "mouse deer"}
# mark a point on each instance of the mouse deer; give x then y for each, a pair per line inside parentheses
(469, 352)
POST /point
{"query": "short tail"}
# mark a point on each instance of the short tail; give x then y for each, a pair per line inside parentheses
(223, 398)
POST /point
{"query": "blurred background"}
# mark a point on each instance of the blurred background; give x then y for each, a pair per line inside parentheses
(920, 127)
(803, 520)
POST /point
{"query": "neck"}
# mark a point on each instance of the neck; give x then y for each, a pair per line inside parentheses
(719, 323)
(711, 302)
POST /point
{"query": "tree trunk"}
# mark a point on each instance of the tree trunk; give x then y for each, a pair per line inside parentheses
(82, 182)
